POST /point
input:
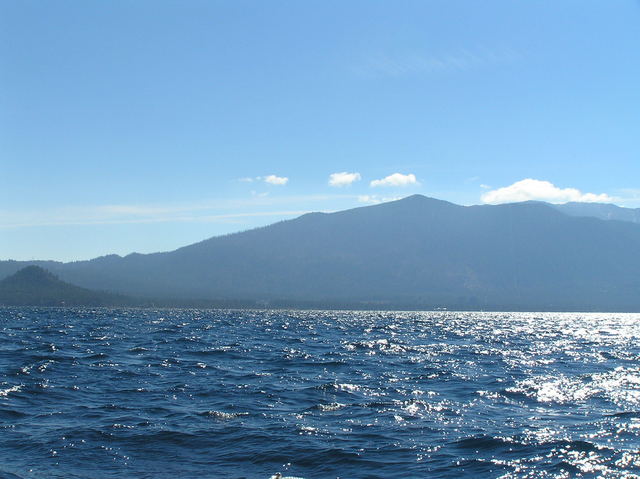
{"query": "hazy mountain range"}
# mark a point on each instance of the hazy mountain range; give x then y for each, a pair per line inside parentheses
(603, 211)
(415, 252)
(32, 285)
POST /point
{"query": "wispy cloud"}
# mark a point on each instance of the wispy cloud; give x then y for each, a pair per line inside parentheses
(629, 197)
(530, 189)
(260, 194)
(396, 179)
(271, 179)
(205, 211)
(343, 178)
(375, 199)
(399, 65)
(95, 219)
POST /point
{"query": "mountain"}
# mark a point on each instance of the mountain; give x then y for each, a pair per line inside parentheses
(35, 286)
(417, 252)
(603, 211)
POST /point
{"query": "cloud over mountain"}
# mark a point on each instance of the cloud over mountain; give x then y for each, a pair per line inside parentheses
(375, 199)
(530, 189)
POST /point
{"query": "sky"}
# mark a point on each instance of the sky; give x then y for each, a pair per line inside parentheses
(146, 125)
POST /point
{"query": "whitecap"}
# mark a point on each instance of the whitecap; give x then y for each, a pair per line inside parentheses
(12, 389)
(225, 415)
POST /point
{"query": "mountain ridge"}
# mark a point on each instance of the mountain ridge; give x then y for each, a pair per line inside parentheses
(417, 250)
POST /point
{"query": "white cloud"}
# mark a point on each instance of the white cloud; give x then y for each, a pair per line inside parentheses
(276, 180)
(530, 189)
(343, 178)
(396, 179)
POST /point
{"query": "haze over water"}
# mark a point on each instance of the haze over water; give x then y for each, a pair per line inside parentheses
(127, 393)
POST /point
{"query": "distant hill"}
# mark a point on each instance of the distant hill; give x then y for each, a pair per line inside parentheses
(601, 211)
(417, 252)
(35, 286)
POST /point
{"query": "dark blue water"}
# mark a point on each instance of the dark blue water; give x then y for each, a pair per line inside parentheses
(125, 393)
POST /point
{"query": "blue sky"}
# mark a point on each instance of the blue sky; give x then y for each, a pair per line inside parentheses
(147, 125)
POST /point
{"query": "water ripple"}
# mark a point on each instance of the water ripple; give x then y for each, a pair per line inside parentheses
(120, 393)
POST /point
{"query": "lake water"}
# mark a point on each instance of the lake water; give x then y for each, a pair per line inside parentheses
(127, 393)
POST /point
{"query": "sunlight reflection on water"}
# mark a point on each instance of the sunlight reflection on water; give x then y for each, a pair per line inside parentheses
(316, 394)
